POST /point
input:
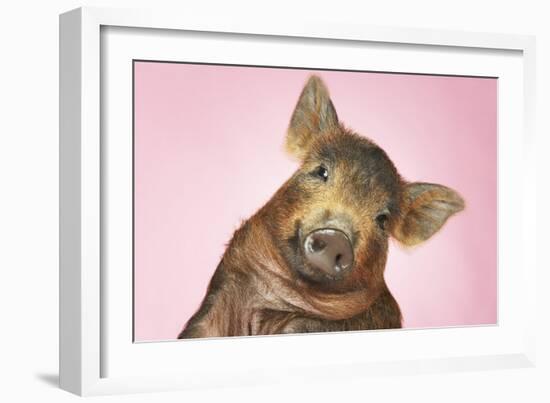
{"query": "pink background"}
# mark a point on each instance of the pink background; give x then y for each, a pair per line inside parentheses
(209, 152)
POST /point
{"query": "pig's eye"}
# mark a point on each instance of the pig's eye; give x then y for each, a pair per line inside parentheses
(382, 220)
(322, 173)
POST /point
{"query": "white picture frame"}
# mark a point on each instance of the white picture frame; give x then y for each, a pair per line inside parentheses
(96, 354)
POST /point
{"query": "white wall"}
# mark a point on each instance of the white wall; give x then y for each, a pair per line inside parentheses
(28, 198)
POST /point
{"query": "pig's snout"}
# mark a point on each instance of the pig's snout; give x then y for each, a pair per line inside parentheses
(330, 251)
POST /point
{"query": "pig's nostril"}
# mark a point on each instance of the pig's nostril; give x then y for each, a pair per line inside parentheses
(317, 245)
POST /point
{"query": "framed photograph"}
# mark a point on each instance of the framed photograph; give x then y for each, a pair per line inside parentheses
(245, 202)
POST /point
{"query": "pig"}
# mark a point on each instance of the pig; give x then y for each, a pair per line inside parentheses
(312, 259)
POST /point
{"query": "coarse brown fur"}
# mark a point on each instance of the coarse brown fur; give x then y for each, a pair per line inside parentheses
(264, 285)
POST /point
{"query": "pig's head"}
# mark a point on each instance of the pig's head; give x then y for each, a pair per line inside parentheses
(335, 215)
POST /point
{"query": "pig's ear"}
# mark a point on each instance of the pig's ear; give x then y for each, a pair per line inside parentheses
(426, 207)
(314, 114)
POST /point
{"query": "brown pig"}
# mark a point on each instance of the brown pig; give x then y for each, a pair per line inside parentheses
(312, 258)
